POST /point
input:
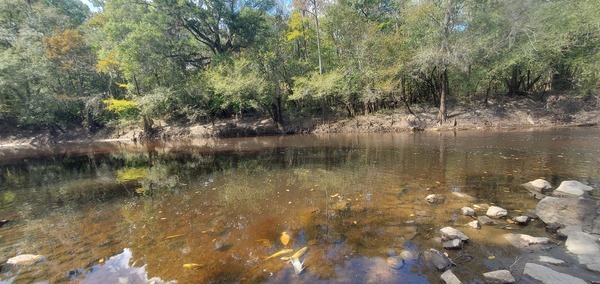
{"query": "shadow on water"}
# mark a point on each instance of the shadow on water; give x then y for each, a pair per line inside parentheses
(215, 210)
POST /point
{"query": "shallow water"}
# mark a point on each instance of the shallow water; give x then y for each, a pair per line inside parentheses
(108, 213)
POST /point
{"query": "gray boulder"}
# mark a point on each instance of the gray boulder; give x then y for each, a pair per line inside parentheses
(438, 259)
(538, 188)
(496, 212)
(566, 211)
(596, 226)
(539, 184)
(449, 233)
(571, 188)
(522, 220)
(449, 278)
(452, 244)
(467, 211)
(549, 276)
(499, 276)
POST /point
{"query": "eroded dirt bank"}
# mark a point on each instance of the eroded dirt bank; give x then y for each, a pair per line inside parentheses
(556, 111)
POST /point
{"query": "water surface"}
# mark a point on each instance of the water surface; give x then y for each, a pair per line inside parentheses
(105, 213)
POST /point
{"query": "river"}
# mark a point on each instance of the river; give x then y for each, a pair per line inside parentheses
(212, 211)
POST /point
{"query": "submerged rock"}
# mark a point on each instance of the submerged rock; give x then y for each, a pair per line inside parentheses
(522, 240)
(571, 188)
(407, 255)
(25, 259)
(551, 260)
(341, 206)
(467, 211)
(395, 262)
(453, 244)
(499, 276)
(449, 278)
(585, 247)
(449, 233)
(496, 212)
(566, 211)
(549, 276)
(462, 195)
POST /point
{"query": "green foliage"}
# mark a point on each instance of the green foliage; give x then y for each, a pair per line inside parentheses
(124, 109)
(239, 83)
(131, 174)
(184, 60)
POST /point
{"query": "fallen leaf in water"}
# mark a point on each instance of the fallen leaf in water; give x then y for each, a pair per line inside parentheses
(191, 265)
(491, 257)
(140, 190)
(174, 236)
(101, 260)
(335, 195)
(518, 211)
(285, 238)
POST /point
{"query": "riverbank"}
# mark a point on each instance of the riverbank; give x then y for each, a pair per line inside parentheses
(555, 111)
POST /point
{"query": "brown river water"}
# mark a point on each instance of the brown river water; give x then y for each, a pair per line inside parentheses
(212, 211)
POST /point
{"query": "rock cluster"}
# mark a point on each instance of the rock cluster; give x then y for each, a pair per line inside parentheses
(568, 210)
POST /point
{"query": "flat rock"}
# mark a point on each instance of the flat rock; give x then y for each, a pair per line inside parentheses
(499, 276)
(522, 240)
(549, 276)
(551, 260)
(571, 188)
(485, 220)
(463, 195)
(438, 259)
(452, 244)
(449, 278)
(496, 212)
(585, 247)
(467, 211)
(25, 259)
(566, 211)
(449, 233)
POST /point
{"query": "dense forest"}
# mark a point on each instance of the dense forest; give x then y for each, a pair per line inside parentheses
(63, 63)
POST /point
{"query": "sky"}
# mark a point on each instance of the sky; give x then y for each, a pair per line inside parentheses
(92, 8)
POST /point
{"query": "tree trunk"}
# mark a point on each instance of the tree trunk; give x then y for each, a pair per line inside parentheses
(444, 93)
